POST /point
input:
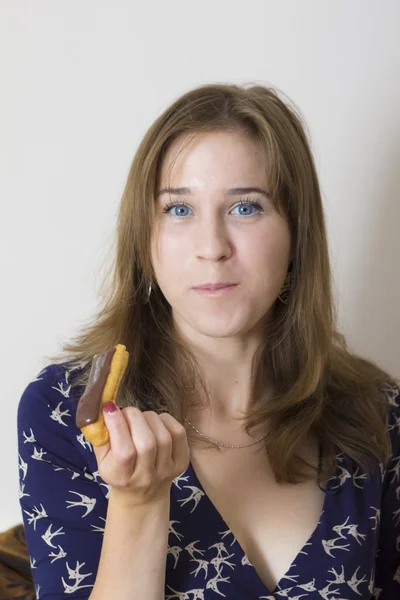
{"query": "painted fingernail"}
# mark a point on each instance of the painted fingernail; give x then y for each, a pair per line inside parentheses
(110, 407)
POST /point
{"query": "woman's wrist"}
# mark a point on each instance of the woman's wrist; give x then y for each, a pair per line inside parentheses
(128, 501)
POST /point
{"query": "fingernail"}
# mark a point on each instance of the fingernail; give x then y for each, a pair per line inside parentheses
(110, 407)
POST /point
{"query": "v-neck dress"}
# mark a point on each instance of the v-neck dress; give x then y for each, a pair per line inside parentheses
(353, 553)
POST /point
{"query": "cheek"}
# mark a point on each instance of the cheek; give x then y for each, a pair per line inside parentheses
(265, 260)
(167, 243)
(267, 250)
(168, 260)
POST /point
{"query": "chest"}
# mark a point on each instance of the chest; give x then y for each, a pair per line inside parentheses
(271, 522)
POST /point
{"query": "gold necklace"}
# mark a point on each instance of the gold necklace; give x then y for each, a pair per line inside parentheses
(226, 445)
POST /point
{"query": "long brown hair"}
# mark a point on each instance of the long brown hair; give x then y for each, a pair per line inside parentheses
(320, 386)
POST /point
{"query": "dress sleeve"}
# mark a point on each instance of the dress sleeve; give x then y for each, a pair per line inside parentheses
(62, 501)
(387, 575)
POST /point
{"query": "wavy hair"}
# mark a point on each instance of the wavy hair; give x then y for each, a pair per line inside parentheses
(320, 386)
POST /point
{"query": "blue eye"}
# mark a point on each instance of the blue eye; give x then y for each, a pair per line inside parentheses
(169, 205)
(246, 203)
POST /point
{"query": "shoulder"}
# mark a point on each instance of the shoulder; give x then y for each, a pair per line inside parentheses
(391, 391)
(46, 427)
(49, 400)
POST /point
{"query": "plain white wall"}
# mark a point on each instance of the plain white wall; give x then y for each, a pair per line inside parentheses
(80, 84)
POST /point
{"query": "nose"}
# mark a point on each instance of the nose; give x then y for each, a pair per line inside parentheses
(212, 240)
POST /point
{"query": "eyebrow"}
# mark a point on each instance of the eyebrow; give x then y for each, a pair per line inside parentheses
(236, 191)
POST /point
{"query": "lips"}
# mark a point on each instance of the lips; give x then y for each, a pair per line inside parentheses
(213, 286)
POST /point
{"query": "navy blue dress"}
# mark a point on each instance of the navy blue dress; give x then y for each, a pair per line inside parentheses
(353, 553)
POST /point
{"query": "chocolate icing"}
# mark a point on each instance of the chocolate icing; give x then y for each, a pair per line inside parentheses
(89, 404)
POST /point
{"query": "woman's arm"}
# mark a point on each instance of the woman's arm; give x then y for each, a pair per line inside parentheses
(81, 542)
(134, 553)
(387, 576)
(62, 499)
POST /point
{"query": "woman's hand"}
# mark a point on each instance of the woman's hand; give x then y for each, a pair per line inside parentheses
(145, 453)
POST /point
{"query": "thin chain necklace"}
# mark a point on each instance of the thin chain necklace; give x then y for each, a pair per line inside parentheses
(226, 445)
(326, 490)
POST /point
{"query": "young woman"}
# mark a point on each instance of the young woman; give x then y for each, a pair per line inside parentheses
(252, 454)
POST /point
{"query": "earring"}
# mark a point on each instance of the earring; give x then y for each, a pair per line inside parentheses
(148, 294)
(287, 286)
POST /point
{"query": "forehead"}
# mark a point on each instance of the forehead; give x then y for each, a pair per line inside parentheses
(212, 156)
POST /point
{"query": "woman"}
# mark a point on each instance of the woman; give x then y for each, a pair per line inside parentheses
(252, 454)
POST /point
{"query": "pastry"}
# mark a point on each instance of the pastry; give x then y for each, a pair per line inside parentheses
(105, 377)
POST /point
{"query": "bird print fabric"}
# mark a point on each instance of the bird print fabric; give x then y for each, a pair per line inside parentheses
(353, 553)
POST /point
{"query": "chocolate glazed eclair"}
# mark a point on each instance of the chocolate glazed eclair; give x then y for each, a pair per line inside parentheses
(105, 377)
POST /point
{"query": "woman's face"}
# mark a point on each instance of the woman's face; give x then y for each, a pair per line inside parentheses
(209, 238)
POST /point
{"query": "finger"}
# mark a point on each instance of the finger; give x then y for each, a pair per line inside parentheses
(120, 450)
(101, 452)
(144, 440)
(163, 458)
(180, 445)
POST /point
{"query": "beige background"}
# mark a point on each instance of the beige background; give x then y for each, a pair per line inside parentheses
(80, 84)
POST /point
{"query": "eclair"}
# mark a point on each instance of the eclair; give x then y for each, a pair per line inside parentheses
(105, 377)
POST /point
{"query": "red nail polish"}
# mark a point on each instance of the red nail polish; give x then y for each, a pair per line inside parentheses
(110, 407)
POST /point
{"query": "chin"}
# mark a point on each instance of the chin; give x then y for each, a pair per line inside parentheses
(216, 328)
